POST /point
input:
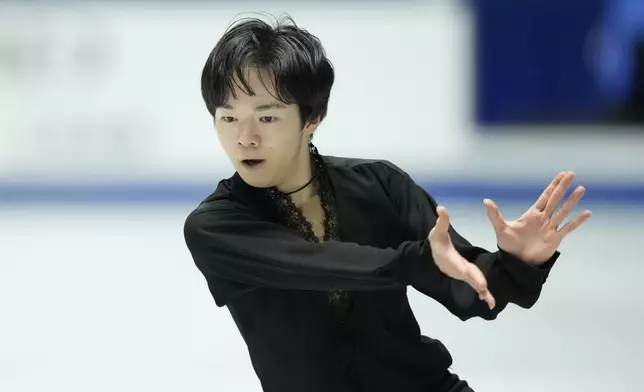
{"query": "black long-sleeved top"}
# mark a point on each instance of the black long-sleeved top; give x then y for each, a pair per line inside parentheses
(276, 284)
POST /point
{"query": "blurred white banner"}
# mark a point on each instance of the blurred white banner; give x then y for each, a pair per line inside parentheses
(114, 91)
(108, 91)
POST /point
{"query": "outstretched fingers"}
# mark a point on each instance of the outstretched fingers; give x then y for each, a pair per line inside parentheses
(475, 278)
(541, 202)
(567, 207)
(494, 214)
(574, 224)
(558, 194)
(442, 223)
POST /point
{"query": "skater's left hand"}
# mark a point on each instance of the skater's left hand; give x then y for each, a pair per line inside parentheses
(536, 235)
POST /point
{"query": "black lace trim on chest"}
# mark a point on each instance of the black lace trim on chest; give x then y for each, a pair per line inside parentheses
(291, 216)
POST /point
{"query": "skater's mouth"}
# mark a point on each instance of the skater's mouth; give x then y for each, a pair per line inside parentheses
(252, 163)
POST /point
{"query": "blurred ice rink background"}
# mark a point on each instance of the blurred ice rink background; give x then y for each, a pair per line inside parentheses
(105, 147)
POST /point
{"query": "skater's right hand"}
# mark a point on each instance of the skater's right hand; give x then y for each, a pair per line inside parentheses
(451, 263)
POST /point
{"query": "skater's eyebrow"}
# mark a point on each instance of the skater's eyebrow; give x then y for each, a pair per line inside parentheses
(259, 108)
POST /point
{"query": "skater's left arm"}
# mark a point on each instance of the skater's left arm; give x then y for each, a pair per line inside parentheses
(514, 273)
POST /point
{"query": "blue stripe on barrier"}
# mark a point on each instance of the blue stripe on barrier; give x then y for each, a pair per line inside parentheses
(177, 192)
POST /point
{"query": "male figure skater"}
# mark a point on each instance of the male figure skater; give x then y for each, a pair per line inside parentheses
(312, 254)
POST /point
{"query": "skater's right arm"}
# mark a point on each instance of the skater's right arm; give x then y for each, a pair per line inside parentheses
(229, 242)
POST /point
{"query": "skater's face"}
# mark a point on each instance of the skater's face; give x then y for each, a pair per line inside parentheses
(264, 138)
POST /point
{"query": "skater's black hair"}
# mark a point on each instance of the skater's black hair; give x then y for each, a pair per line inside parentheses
(300, 71)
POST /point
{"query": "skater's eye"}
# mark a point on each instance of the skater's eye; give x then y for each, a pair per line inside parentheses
(268, 119)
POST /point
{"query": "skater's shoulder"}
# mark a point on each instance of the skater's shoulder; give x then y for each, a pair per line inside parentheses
(378, 166)
(229, 195)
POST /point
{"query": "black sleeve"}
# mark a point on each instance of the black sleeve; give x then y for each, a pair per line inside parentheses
(229, 243)
(510, 280)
